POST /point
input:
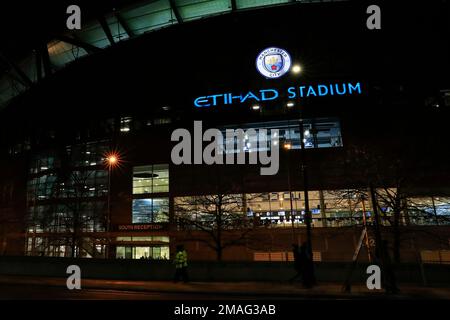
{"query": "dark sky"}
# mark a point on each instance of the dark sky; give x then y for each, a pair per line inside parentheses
(24, 23)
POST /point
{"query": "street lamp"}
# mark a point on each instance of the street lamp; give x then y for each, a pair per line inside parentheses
(305, 193)
(288, 146)
(305, 187)
(112, 160)
(296, 69)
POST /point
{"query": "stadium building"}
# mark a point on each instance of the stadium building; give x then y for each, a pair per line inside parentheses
(87, 119)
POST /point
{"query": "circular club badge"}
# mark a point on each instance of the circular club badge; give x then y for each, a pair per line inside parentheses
(273, 62)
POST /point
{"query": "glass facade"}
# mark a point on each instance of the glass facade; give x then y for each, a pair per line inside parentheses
(151, 194)
(143, 247)
(210, 211)
(151, 179)
(57, 246)
(429, 210)
(151, 253)
(42, 163)
(66, 196)
(41, 187)
(329, 208)
(152, 210)
(317, 133)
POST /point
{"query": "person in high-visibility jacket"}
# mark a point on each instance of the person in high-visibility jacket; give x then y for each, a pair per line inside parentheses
(181, 264)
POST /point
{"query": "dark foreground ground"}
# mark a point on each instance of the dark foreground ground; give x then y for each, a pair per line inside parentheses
(46, 288)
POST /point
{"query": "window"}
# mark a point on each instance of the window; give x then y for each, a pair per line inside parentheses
(75, 195)
(60, 218)
(429, 210)
(161, 121)
(151, 179)
(147, 238)
(125, 123)
(152, 253)
(193, 211)
(154, 210)
(88, 154)
(41, 188)
(318, 133)
(42, 162)
(150, 247)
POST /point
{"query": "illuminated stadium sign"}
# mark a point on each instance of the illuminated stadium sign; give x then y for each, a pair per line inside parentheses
(273, 62)
(304, 91)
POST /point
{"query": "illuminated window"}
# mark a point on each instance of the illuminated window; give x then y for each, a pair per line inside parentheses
(154, 210)
(161, 121)
(42, 163)
(143, 252)
(125, 123)
(147, 238)
(317, 133)
(151, 179)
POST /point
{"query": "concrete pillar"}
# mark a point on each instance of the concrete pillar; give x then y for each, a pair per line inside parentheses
(322, 209)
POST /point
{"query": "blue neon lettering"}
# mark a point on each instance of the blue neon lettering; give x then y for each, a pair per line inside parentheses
(311, 91)
(200, 100)
(214, 98)
(291, 93)
(351, 87)
(321, 92)
(236, 97)
(264, 97)
(250, 95)
(337, 89)
(301, 91)
(273, 94)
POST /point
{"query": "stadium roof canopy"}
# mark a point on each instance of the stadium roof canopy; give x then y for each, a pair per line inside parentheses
(107, 29)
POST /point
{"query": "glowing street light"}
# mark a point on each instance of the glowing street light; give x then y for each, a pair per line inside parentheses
(256, 107)
(296, 69)
(290, 104)
(112, 160)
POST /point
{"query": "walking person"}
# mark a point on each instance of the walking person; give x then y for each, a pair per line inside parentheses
(181, 264)
(390, 278)
(308, 266)
(298, 266)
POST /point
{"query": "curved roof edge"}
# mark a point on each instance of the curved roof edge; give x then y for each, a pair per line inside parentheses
(113, 28)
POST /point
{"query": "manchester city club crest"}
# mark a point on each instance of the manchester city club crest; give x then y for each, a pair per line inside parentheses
(273, 62)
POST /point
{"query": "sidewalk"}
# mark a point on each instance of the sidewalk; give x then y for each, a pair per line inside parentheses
(280, 289)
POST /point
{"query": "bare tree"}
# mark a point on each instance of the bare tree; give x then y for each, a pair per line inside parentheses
(67, 214)
(77, 195)
(392, 175)
(221, 218)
